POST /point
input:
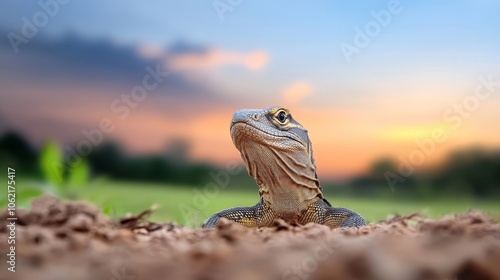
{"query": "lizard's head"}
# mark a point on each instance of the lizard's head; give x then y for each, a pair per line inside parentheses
(274, 146)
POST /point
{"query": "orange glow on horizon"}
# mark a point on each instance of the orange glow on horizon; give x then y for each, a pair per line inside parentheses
(346, 141)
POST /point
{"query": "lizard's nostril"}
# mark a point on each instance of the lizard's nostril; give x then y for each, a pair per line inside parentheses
(255, 116)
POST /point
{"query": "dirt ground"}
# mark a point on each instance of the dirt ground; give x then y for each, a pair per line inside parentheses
(56, 240)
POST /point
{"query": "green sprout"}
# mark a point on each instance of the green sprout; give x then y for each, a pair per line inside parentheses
(64, 180)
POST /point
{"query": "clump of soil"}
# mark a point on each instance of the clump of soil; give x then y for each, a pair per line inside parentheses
(73, 240)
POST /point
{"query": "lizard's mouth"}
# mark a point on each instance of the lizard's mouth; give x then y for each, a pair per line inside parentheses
(242, 131)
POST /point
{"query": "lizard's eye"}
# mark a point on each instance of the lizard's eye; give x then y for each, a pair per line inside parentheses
(282, 117)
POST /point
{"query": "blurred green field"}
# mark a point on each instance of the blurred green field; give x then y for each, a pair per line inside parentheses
(191, 206)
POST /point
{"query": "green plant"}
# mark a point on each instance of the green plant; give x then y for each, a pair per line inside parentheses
(64, 179)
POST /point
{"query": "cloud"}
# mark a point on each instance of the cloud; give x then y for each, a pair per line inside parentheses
(295, 92)
(81, 61)
(215, 58)
(184, 56)
(91, 61)
(151, 51)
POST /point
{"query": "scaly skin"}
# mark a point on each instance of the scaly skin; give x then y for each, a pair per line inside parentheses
(278, 155)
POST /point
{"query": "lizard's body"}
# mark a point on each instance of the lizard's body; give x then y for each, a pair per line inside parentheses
(278, 155)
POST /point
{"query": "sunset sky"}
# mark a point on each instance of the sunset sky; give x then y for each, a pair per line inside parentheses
(414, 68)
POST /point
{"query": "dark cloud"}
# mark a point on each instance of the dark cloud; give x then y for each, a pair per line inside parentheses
(78, 60)
(183, 47)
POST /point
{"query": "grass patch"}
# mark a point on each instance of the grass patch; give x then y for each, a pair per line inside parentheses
(191, 206)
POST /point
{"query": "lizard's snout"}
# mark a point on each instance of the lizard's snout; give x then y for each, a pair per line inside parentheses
(244, 116)
(239, 116)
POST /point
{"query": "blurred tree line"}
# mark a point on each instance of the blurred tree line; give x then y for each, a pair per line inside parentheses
(471, 172)
(108, 159)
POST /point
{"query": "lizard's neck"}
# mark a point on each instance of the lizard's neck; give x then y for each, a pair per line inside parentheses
(286, 200)
(287, 182)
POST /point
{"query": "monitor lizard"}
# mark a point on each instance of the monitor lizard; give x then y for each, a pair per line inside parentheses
(278, 154)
